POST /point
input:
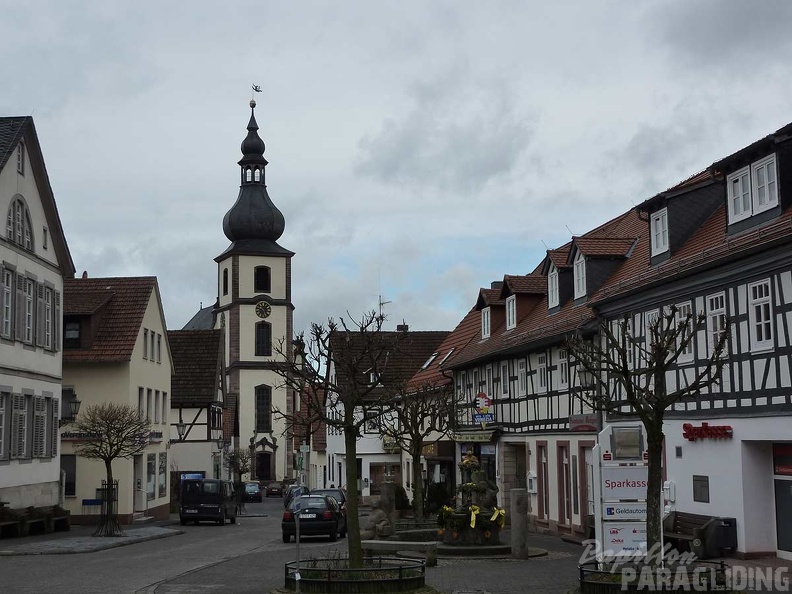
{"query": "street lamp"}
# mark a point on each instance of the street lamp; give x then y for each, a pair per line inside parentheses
(74, 410)
(585, 377)
(181, 429)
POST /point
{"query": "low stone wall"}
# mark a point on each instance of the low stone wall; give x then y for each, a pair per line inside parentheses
(36, 494)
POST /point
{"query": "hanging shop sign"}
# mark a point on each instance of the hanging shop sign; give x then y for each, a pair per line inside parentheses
(588, 422)
(483, 414)
(706, 431)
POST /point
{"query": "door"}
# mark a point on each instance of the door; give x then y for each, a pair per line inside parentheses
(783, 498)
(139, 495)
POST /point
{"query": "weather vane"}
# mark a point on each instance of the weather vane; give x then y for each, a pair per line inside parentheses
(256, 89)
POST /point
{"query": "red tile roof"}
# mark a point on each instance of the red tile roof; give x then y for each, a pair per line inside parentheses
(125, 300)
(529, 284)
(560, 256)
(197, 356)
(604, 246)
(489, 297)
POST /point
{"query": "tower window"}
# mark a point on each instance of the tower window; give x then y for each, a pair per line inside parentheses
(225, 281)
(263, 339)
(257, 175)
(262, 282)
(263, 409)
(248, 175)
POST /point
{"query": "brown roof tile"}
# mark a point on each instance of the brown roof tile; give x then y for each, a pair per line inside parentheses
(197, 356)
(604, 246)
(122, 301)
(529, 284)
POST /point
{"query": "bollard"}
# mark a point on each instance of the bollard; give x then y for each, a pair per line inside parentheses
(519, 523)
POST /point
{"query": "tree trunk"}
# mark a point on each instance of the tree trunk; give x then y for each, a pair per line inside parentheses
(108, 524)
(654, 502)
(353, 519)
(417, 479)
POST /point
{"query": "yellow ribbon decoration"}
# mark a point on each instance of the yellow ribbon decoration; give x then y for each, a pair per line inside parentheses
(474, 511)
(500, 516)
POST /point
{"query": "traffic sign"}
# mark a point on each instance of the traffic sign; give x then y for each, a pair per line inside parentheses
(305, 448)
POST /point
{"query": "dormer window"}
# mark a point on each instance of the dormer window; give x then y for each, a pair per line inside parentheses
(552, 287)
(511, 312)
(659, 228)
(485, 322)
(580, 276)
(752, 190)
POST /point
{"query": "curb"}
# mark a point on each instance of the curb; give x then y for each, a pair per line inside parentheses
(103, 547)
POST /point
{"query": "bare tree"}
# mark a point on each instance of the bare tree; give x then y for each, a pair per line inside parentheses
(237, 462)
(419, 417)
(340, 374)
(111, 431)
(630, 374)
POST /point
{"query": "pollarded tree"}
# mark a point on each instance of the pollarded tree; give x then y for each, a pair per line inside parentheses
(420, 416)
(630, 372)
(340, 374)
(111, 431)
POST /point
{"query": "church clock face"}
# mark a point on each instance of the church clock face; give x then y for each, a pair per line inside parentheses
(263, 309)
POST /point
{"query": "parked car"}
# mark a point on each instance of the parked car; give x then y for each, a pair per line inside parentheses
(253, 492)
(319, 514)
(340, 495)
(207, 499)
(293, 490)
(274, 490)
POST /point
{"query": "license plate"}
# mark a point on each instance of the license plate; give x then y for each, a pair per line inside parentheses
(190, 511)
(308, 516)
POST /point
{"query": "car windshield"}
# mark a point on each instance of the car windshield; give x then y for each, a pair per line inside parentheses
(311, 503)
(251, 488)
(338, 494)
(200, 491)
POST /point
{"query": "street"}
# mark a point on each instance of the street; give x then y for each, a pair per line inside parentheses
(250, 557)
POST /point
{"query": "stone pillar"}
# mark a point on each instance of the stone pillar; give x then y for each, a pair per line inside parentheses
(519, 523)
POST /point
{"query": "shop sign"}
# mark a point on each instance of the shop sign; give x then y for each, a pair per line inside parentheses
(706, 431)
(624, 482)
(473, 437)
(624, 511)
(588, 422)
(782, 459)
(79, 436)
(430, 450)
(625, 537)
(483, 415)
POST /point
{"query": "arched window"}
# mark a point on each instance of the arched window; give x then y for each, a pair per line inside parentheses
(18, 227)
(262, 279)
(248, 174)
(263, 339)
(225, 281)
(257, 175)
(263, 409)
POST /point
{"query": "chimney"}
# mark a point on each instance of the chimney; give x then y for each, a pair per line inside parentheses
(402, 328)
(85, 274)
(496, 285)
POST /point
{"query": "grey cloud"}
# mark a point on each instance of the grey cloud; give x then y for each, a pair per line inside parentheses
(728, 34)
(456, 136)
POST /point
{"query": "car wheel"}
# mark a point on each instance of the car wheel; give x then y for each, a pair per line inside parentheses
(334, 535)
(182, 521)
(233, 519)
(222, 519)
(286, 537)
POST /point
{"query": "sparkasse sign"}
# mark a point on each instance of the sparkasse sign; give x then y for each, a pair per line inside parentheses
(624, 511)
(624, 482)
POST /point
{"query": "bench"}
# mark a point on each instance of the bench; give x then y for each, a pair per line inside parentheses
(56, 519)
(690, 529)
(31, 519)
(9, 522)
(429, 549)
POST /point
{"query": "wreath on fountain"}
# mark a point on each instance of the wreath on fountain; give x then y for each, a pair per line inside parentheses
(449, 518)
(469, 463)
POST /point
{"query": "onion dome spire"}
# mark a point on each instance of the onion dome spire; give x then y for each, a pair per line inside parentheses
(253, 216)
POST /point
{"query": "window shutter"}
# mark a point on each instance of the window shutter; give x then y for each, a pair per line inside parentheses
(18, 426)
(39, 426)
(19, 306)
(39, 321)
(4, 406)
(56, 323)
(55, 432)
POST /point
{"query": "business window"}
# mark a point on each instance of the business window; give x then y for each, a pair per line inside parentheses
(716, 319)
(541, 372)
(522, 378)
(684, 317)
(563, 368)
(505, 379)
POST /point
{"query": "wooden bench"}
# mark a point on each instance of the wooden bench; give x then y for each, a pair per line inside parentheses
(31, 519)
(56, 518)
(691, 529)
(429, 549)
(9, 522)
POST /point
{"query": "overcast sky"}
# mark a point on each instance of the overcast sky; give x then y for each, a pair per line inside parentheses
(418, 149)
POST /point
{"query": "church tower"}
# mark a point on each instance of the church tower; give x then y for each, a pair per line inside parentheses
(254, 306)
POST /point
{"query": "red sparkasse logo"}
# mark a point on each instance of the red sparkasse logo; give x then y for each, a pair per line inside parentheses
(706, 431)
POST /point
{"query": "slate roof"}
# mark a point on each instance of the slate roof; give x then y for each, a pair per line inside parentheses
(119, 321)
(202, 320)
(404, 351)
(196, 366)
(11, 131)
